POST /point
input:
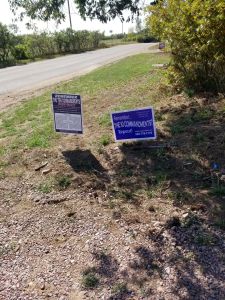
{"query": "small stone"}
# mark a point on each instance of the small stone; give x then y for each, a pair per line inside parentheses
(46, 171)
(38, 168)
(185, 215)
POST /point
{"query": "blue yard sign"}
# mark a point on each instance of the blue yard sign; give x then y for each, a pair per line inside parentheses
(138, 124)
(67, 111)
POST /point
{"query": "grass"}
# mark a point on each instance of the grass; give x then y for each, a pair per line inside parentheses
(105, 140)
(63, 182)
(45, 187)
(205, 240)
(89, 278)
(218, 191)
(30, 125)
(119, 289)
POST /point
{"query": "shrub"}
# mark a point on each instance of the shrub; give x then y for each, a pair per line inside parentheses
(194, 30)
(6, 46)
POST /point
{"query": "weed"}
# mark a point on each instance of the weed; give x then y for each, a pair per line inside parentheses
(198, 138)
(176, 129)
(153, 193)
(189, 92)
(218, 191)
(205, 239)
(180, 197)
(111, 203)
(161, 153)
(126, 195)
(104, 120)
(119, 288)
(63, 181)
(90, 280)
(2, 174)
(190, 220)
(159, 116)
(105, 140)
(45, 187)
(126, 172)
(203, 114)
(220, 223)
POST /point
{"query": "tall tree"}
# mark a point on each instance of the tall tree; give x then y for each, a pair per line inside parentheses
(104, 10)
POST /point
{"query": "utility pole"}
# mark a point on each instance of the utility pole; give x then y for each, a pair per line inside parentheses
(71, 27)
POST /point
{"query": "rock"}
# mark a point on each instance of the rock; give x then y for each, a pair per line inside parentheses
(185, 215)
(46, 171)
(38, 168)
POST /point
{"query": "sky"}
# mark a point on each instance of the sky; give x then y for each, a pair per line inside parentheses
(6, 18)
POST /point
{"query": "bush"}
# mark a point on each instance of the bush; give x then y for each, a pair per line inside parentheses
(20, 51)
(6, 46)
(195, 32)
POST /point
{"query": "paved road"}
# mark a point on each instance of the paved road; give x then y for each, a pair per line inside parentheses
(44, 73)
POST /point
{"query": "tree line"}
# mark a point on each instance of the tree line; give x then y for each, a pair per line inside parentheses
(42, 45)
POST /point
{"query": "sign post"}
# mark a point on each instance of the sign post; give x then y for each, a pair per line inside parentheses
(67, 109)
(134, 125)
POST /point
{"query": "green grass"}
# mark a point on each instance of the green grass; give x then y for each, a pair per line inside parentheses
(45, 187)
(63, 182)
(105, 140)
(30, 124)
(218, 191)
(89, 278)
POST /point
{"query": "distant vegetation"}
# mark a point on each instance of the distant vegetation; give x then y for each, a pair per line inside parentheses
(16, 48)
(142, 36)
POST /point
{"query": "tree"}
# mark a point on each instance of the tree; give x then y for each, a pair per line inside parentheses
(195, 32)
(138, 25)
(6, 45)
(103, 10)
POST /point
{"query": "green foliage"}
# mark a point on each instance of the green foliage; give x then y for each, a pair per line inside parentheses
(52, 9)
(119, 288)
(6, 46)
(105, 140)
(20, 52)
(63, 181)
(89, 280)
(42, 45)
(205, 239)
(143, 36)
(45, 187)
(195, 32)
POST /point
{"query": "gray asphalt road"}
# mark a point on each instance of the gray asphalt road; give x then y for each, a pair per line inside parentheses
(44, 73)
